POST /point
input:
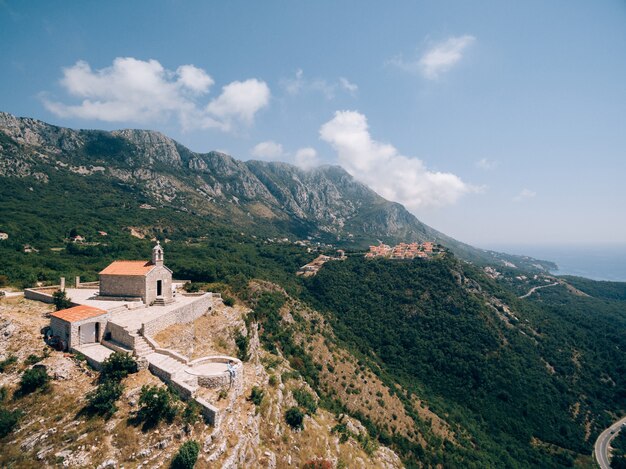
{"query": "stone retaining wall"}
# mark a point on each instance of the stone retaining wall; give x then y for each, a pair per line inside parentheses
(40, 294)
(121, 334)
(186, 313)
(209, 412)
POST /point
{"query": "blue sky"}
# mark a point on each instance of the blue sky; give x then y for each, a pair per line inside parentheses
(494, 122)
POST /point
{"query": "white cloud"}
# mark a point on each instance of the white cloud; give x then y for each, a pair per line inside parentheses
(300, 84)
(380, 166)
(440, 58)
(133, 90)
(306, 158)
(349, 87)
(240, 100)
(194, 78)
(525, 194)
(268, 150)
(486, 164)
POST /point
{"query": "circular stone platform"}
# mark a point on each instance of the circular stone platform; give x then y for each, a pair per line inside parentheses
(212, 372)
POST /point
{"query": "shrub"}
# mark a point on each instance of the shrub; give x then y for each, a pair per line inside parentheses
(156, 405)
(243, 342)
(256, 396)
(60, 300)
(228, 301)
(7, 362)
(32, 359)
(8, 421)
(101, 401)
(295, 418)
(305, 400)
(117, 367)
(191, 414)
(273, 381)
(32, 380)
(318, 463)
(191, 287)
(187, 455)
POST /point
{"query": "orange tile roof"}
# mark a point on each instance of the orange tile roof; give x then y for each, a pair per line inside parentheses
(78, 313)
(128, 268)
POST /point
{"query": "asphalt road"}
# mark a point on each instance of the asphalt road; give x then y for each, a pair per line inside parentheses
(601, 448)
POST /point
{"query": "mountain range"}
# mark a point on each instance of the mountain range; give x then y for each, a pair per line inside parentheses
(323, 204)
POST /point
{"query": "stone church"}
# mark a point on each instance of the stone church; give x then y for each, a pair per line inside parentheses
(149, 281)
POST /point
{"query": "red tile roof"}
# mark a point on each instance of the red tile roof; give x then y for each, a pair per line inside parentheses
(128, 268)
(78, 313)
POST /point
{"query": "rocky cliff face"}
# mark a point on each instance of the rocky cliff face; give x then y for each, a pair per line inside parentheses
(325, 203)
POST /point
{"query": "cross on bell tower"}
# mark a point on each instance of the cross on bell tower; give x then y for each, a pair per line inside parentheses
(157, 254)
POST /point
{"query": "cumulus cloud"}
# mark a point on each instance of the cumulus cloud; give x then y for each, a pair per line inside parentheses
(301, 84)
(486, 164)
(524, 194)
(133, 90)
(306, 158)
(438, 59)
(381, 167)
(268, 150)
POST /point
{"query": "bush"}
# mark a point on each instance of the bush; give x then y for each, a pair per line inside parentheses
(228, 301)
(7, 362)
(191, 414)
(256, 396)
(102, 400)
(187, 455)
(243, 342)
(156, 405)
(32, 359)
(8, 421)
(191, 287)
(318, 463)
(305, 400)
(295, 418)
(117, 367)
(60, 300)
(32, 380)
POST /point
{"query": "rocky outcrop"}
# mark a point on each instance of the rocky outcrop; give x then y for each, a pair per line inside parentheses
(325, 203)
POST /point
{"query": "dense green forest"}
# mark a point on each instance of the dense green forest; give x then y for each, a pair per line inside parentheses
(197, 248)
(556, 369)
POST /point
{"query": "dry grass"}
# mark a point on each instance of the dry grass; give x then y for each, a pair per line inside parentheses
(212, 334)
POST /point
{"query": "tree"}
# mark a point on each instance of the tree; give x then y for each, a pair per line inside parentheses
(61, 301)
(295, 418)
(187, 455)
(117, 367)
(32, 380)
(102, 400)
(156, 405)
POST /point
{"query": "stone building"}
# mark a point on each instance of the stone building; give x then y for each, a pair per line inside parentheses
(79, 325)
(149, 281)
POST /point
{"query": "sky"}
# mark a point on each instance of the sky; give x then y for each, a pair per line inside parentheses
(496, 122)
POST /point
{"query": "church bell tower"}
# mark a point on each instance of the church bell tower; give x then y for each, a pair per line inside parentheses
(157, 254)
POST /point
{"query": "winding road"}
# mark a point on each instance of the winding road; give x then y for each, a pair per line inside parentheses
(534, 289)
(601, 448)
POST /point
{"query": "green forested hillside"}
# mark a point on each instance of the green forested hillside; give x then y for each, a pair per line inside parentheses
(535, 391)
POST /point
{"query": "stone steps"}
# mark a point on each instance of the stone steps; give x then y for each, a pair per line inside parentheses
(142, 347)
(166, 363)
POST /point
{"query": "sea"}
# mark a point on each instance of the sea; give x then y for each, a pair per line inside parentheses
(594, 261)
